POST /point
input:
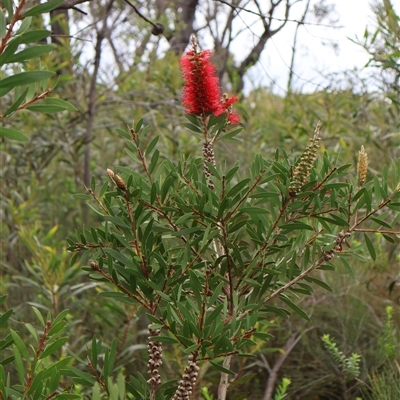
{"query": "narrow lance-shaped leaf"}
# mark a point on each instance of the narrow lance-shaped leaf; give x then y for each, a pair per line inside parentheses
(13, 134)
(370, 247)
(23, 78)
(43, 8)
(31, 52)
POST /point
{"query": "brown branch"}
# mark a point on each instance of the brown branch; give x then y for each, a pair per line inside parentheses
(139, 298)
(261, 15)
(255, 53)
(36, 98)
(247, 194)
(157, 27)
(291, 72)
(273, 372)
(382, 231)
(17, 16)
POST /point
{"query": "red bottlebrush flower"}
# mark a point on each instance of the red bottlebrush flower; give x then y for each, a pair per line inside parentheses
(201, 93)
(226, 105)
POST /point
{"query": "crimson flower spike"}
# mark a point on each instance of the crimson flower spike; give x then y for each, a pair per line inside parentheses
(202, 93)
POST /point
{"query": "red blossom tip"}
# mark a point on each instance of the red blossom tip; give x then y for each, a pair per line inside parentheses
(201, 93)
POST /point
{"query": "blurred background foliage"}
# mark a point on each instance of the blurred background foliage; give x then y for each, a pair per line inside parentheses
(41, 176)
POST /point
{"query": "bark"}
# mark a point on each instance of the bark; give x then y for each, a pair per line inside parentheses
(273, 372)
(180, 40)
(224, 381)
(255, 53)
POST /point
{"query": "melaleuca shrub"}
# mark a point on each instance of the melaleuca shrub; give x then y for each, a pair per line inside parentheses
(212, 252)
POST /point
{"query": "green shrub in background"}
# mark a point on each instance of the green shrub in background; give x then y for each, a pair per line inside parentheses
(27, 89)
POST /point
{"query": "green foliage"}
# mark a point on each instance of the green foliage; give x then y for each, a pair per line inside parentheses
(349, 366)
(389, 341)
(39, 362)
(205, 258)
(20, 49)
(282, 389)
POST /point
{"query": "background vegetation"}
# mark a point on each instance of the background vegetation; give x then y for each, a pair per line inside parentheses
(127, 75)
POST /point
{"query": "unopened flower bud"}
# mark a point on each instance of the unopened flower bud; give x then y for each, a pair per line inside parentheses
(119, 182)
(94, 266)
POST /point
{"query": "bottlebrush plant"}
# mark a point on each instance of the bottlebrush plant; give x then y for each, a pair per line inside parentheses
(212, 253)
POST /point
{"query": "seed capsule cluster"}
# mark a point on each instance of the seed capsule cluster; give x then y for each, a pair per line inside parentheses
(155, 353)
(341, 238)
(209, 157)
(186, 384)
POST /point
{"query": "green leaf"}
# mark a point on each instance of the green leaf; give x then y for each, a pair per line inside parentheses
(166, 339)
(192, 127)
(23, 78)
(339, 221)
(20, 345)
(38, 315)
(32, 331)
(8, 5)
(294, 226)
(238, 187)
(81, 196)
(293, 306)
(381, 222)
(51, 105)
(3, 24)
(27, 37)
(263, 336)
(254, 210)
(60, 316)
(231, 135)
(17, 103)
(370, 247)
(318, 282)
(394, 206)
(82, 375)
(4, 318)
(43, 8)
(219, 367)
(389, 238)
(62, 104)
(31, 52)
(26, 23)
(53, 347)
(19, 365)
(117, 221)
(12, 134)
(124, 134)
(151, 145)
(346, 265)
(56, 328)
(109, 359)
(214, 314)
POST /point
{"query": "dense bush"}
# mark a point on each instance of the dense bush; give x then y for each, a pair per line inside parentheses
(215, 251)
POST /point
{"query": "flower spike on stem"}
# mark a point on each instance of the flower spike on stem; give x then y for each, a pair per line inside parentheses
(202, 93)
